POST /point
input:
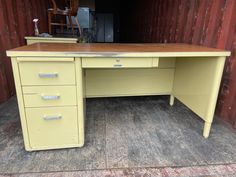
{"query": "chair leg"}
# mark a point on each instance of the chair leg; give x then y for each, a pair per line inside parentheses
(49, 22)
(71, 24)
(61, 25)
(78, 25)
(67, 24)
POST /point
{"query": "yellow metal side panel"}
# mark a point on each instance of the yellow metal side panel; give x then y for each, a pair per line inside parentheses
(216, 80)
(195, 82)
(54, 127)
(63, 73)
(128, 82)
(80, 99)
(49, 96)
(20, 103)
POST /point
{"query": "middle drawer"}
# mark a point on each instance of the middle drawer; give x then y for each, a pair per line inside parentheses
(41, 96)
(119, 62)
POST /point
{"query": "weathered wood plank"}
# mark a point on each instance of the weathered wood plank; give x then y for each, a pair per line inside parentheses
(16, 22)
(208, 22)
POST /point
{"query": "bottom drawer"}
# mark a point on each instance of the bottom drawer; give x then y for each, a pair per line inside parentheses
(54, 127)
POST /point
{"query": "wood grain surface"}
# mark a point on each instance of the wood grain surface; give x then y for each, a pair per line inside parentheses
(86, 50)
(116, 47)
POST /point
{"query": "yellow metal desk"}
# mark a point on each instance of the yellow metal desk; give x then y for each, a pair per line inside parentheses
(53, 80)
(35, 39)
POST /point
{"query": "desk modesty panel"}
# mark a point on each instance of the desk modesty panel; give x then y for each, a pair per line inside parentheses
(52, 81)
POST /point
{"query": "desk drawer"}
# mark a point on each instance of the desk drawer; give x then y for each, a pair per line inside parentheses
(49, 96)
(52, 127)
(119, 62)
(47, 73)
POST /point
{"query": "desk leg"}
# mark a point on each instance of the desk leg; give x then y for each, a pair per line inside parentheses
(216, 80)
(207, 128)
(80, 100)
(20, 100)
(172, 100)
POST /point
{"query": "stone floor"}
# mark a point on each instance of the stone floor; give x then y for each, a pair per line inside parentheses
(142, 133)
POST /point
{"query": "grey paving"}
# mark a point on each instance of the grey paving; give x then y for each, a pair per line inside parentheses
(126, 132)
(14, 159)
(195, 171)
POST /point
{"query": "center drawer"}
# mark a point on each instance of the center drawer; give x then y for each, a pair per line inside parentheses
(47, 73)
(119, 62)
(49, 96)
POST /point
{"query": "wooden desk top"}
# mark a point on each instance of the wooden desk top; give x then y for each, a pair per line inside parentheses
(115, 50)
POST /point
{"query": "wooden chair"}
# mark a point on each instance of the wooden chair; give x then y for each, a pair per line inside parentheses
(69, 12)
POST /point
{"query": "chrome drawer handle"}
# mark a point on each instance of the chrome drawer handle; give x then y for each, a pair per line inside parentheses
(50, 97)
(117, 65)
(48, 75)
(52, 117)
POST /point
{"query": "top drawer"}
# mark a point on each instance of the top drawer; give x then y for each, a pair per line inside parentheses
(119, 62)
(47, 73)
